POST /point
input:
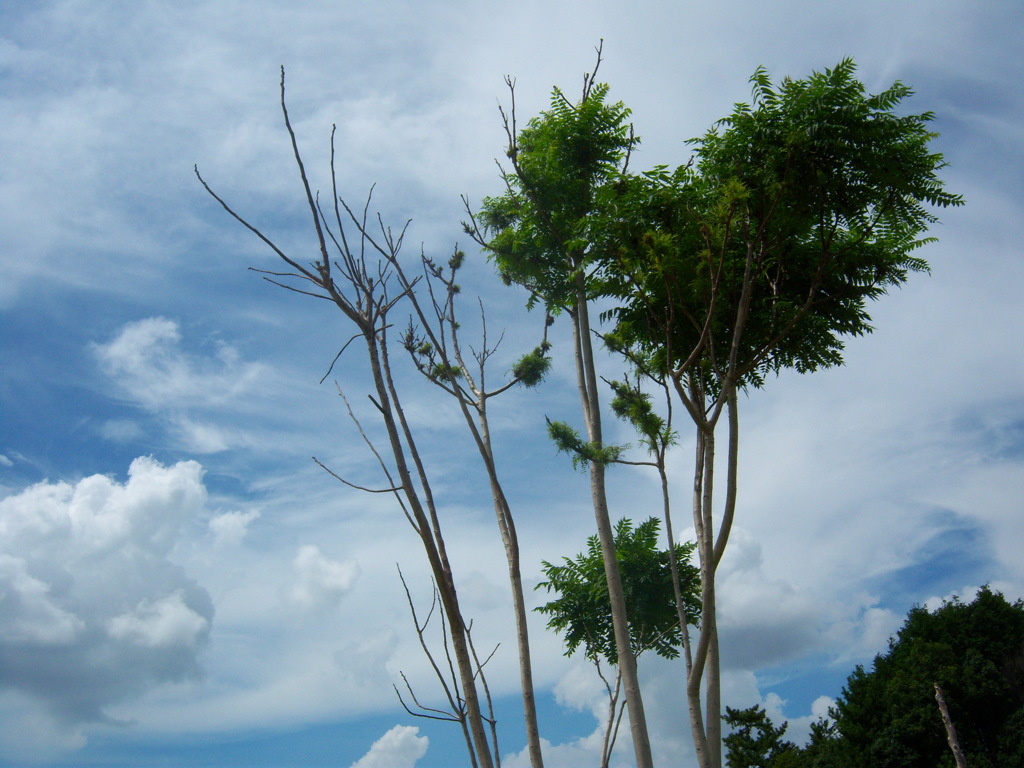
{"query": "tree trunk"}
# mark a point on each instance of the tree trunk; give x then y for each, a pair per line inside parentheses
(954, 742)
(587, 380)
(433, 544)
(511, 542)
(709, 609)
(695, 673)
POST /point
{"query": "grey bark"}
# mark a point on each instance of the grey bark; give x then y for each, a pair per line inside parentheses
(951, 737)
(587, 381)
(367, 305)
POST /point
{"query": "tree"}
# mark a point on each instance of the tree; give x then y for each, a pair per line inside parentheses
(539, 235)
(758, 255)
(581, 610)
(438, 353)
(366, 283)
(887, 716)
(754, 742)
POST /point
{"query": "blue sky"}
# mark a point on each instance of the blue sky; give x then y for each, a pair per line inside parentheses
(181, 584)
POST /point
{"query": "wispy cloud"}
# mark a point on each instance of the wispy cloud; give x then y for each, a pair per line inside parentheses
(193, 393)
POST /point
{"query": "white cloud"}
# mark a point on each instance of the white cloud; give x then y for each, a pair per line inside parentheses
(84, 569)
(861, 629)
(32, 617)
(5, 462)
(401, 747)
(121, 430)
(148, 361)
(580, 689)
(763, 619)
(321, 582)
(231, 527)
(163, 623)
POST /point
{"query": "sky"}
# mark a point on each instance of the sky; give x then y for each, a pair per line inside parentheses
(181, 584)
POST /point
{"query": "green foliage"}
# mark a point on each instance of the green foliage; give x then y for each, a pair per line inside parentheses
(582, 610)
(795, 211)
(634, 405)
(540, 229)
(888, 718)
(755, 742)
(568, 440)
(532, 367)
(814, 198)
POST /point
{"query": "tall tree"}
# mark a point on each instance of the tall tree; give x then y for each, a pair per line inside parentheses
(758, 255)
(539, 234)
(435, 344)
(366, 281)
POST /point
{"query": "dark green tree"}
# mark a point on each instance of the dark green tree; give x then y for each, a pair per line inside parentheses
(754, 742)
(887, 716)
(581, 612)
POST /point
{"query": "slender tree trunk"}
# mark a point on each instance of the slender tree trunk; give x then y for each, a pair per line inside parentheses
(587, 379)
(714, 700)
(706, 667)
(614, 718)
(951, 737)
(511, 541)
(695, 674)
(709, 614)
(433, 545)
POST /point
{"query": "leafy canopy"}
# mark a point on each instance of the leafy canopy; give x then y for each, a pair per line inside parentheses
(795, 211)
(887, 716)
(541, 228)
(582, 610)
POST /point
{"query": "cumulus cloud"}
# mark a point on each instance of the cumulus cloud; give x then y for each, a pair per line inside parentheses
(32, 617)
(401, 747)
(163, 623)
(763, 619)
(580, 689)
(28, 734)
(92, 611)
(862, 630)
(231, 527)
(320, 581)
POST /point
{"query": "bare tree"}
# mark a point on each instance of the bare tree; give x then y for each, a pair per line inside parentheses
(439, 354)
(361, 282)
(446, 676)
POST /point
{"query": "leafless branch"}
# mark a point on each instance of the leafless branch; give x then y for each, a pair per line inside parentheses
(335, 360)
(353, 485)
